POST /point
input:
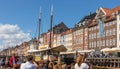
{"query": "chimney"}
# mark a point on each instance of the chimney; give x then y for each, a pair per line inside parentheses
(90, 13)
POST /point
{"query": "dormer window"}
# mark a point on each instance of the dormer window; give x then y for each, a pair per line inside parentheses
(113, 14)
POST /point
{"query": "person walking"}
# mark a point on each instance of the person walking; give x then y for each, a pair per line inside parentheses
(2, 62)
(13, 60)
(29, 64)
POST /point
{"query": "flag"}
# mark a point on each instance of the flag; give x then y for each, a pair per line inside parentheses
(101, 27)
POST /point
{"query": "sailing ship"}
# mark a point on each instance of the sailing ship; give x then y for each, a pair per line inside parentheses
(40, 48)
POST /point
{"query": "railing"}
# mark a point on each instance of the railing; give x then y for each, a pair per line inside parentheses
(104, 63)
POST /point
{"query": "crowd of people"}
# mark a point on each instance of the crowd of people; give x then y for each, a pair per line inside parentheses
(50, 62)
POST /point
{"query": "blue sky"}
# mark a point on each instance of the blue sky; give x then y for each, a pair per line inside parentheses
(25, 13)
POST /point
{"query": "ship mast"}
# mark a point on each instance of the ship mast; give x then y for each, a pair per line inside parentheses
(39, 23)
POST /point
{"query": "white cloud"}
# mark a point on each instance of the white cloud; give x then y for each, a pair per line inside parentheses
(12, 35)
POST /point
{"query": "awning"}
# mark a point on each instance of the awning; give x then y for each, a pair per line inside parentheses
(60, 48)
(41, 50)
(68, 52)
(33, 50)
(85, 51)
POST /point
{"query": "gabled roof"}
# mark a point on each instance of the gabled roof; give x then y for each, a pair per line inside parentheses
(60, 24)
(110, 11)
(107, 11)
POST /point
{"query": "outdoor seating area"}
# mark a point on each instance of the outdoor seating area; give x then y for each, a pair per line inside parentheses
(108, 63)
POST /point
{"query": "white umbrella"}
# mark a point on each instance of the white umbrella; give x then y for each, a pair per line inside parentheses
(105, 49)
(115, 49)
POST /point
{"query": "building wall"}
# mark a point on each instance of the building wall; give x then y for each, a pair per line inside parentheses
(58, 39)
(78, 39)
(85, 39)
(48, 38)
(107, 40)
(41, 40)
(68, 41)
(118, 29)
(45, 39)
(55, 40)
(62, 38)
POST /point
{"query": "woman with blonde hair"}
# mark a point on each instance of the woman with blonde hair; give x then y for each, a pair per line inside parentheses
(80, 64)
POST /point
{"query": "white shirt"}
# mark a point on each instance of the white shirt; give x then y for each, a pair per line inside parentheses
(27, 65)
(82, 66)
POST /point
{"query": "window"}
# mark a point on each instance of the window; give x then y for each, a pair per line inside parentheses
(112, 22)
(114, 41)
(98, 43)
(104, 25)
(97, 34)
(103, 42)
(110, 32)
(89, 36)
(119, 26)
(106, 42)
(119, 37)
(114, 31)
(104, 34)
(90, 44)
(115, 22)
(95, 27)
(119, 16)
(109, 42)
(94, 44)
(93, 35)
(109, 23)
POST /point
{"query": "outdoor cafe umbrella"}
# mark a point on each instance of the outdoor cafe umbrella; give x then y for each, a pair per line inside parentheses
(105, 49)
(115, 49)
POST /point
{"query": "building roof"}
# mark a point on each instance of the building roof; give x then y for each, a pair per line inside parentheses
(109, 15)
(91, 17)
(67, 32)
(115, 9)
(57, 29)
(107, 11)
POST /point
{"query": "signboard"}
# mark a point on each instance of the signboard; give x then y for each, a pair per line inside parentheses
(37, 58)
(43, 47)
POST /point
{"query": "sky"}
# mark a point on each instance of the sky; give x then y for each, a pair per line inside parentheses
(19, 18)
